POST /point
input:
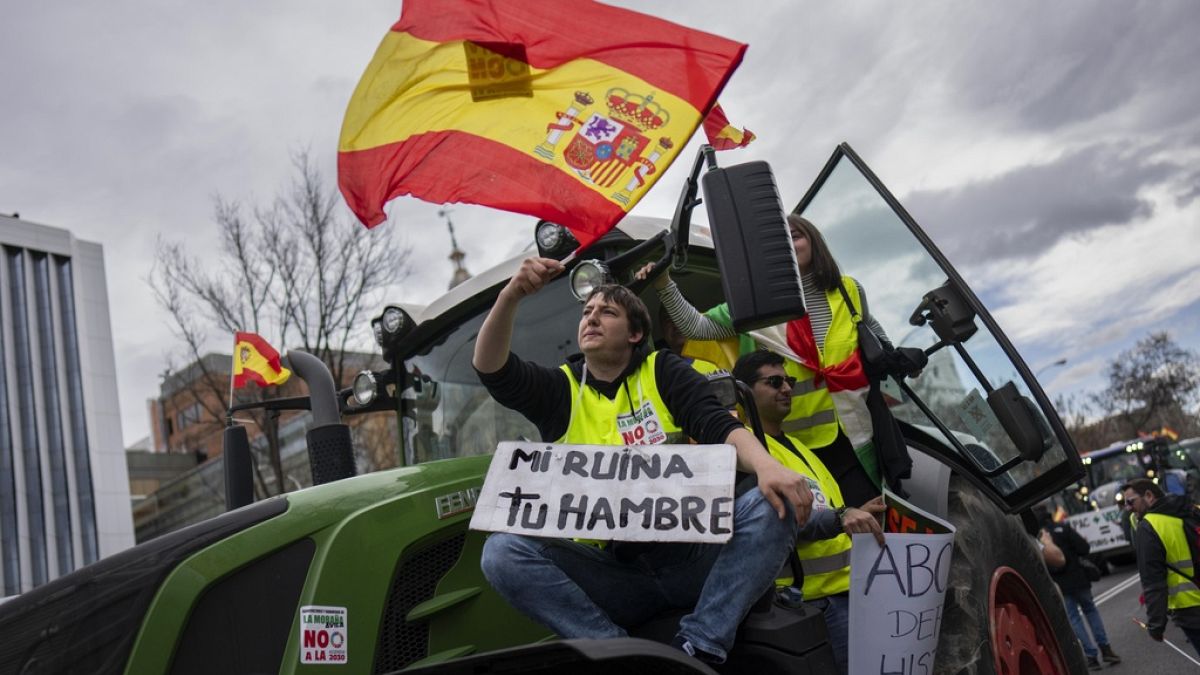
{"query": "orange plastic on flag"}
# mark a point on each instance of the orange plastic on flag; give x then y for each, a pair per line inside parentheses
(721, 134)
(256, 361)
(567, 110)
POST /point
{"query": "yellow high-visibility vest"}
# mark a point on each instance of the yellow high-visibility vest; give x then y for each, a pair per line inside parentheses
(826, 563)
(1181, 591)
(816, 412)
(597, 420)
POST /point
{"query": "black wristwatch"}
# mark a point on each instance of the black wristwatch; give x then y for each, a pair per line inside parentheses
(841, 515)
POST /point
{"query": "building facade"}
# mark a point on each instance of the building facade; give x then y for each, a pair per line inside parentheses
(64, 490)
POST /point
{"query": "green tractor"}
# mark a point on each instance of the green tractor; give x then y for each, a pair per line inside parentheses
(380, 573)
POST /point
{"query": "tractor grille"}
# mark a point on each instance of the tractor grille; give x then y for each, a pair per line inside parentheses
(401, 642)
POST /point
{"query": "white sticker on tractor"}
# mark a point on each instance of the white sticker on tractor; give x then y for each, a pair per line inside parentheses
(323, 635)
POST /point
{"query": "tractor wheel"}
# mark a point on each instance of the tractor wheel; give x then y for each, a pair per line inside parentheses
(1004, 614)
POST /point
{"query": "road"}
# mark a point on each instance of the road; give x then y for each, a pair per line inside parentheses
(1117, 596)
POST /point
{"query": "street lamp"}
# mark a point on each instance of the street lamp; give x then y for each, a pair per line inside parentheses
(1048, 366)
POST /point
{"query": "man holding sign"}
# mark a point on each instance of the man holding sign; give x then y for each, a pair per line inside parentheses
(824, 551)
(619, 394)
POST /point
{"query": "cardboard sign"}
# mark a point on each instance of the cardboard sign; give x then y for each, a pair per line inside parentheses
(625, 493)
(897, 593)
(323, 635)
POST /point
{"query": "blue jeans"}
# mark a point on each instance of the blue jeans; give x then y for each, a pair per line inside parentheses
(836, 609)
(580, 591)
(1081, 599)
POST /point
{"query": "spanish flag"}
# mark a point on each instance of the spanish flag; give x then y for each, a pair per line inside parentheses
(721, 134)
(256, 361)
(566, 110)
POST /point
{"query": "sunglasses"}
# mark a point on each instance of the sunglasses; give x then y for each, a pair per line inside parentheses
(776, 381)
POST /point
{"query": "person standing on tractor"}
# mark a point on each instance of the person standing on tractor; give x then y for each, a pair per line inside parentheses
(1165, 553)
(829, 402)
(580, 590)
(825, 558)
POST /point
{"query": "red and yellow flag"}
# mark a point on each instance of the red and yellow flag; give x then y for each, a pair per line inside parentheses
(256, 361)
(566, 110)
(721, 134)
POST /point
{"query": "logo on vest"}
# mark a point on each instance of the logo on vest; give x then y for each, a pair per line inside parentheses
(641, 427)
(820, 501)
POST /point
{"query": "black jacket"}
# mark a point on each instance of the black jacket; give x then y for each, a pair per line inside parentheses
(1071, 576)
(1152, 568)
(543, 395)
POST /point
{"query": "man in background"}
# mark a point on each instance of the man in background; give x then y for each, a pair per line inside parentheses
(1164, 558)
(1076, 588)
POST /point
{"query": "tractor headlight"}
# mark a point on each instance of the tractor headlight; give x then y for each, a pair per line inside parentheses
(393, 320)
(390, 327)
(587, 276)
(554, 240)
(364, 389)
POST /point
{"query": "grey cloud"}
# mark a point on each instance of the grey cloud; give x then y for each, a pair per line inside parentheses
(1080, 61)
(1027, 210)
(1190, 191)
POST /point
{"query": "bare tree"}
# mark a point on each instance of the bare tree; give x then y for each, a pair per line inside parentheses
(1152, 385)
(1088, 429)
(297, 272)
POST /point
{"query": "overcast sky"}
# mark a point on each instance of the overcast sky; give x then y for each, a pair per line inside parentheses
(1051, 149)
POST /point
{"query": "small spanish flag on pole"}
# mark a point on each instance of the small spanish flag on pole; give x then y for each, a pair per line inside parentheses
(721, 134)
(256, 361)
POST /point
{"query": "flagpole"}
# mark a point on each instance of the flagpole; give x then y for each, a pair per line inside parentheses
(1167, 642)
(229, 410)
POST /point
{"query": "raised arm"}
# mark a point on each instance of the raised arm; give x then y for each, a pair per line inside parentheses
(495, 336)
(690, 322)
(872, 322)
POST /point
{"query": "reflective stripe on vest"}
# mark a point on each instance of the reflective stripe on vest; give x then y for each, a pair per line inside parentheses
(816, 412)
(826, 563)
(1181, 591)
(594, 416)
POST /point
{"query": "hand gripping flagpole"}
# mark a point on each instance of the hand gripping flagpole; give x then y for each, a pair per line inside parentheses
(1168, 642)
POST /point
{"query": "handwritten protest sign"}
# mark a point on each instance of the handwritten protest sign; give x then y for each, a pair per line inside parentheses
(897, 592)
(636, 493)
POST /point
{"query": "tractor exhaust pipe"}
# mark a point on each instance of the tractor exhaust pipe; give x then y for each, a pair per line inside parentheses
(330, 450)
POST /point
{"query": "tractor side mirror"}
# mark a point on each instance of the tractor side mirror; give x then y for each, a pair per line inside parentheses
(1020, 419)
(947, 312)
(753, 246)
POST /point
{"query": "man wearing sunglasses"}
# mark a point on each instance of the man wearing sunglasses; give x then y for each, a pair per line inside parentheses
(1163, 534)
(618, 389)
(824, 557)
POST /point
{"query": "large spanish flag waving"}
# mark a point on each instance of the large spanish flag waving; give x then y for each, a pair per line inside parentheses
(567, 110)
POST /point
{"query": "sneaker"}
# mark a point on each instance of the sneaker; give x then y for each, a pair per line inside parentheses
(1109, 655)
(1094, 663)
(683, 644)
